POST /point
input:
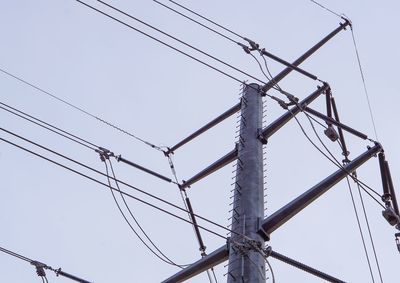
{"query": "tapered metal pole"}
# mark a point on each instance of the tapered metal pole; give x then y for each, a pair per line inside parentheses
(248, 207)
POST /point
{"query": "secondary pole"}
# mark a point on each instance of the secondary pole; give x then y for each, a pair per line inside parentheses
(246, 264)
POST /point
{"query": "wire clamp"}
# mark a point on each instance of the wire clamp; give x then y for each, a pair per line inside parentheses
(40, 267)
(104, 153)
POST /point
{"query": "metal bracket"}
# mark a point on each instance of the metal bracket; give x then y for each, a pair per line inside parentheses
(262, 138)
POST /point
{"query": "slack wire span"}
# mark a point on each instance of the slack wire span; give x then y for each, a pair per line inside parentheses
(124, 183)
(40, 267)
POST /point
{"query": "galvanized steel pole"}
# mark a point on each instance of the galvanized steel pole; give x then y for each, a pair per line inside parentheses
(246, 264)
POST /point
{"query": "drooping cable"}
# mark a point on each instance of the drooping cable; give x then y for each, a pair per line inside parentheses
(41, 90)
(355, 210)
(360, 230)
(370, 233)
(163, 258)
(125, 193)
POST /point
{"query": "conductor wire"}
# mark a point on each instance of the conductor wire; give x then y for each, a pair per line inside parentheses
(80, 109)
(170, 36)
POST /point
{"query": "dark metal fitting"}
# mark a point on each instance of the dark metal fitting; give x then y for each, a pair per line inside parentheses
(268, 251)
(386, 198)
(262, 139)
(391, 216)
(397, 237)
(245, 47)
(254, 46)
(39, 268)
(331, 133)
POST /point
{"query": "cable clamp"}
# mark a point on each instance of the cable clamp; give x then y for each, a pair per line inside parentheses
(104, 153)
(40, 268)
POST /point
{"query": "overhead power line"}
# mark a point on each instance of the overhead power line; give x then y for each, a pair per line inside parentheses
(121, 182)
(174, 38)
(80, 110)
(48, 126)
(40, 267)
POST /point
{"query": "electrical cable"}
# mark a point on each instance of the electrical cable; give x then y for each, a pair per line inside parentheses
(166, 259)
(364, 83)
(14, 254)
(197, 22)
(160, 41)
(178, 40)
(208, 20)
(327, 9)
(49, 127)
(337, 163)
(134, 218)
(355, 210)
(342, 16)
(125, 193)
(81, 110)
(360, 229)
(370, 234)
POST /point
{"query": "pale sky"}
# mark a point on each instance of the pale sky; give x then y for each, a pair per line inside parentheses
(113, 72)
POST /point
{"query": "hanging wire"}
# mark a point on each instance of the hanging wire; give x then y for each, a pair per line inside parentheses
(207, 19)
(370, 233)
(163, 258)
(81, 110)
(360, 229)
(123, 192)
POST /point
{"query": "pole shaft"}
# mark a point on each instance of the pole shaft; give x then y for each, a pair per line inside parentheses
(249, 198)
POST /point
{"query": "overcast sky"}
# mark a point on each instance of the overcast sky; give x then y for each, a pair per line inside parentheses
(111, 71)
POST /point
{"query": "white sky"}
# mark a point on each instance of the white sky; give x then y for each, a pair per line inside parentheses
(64, 220)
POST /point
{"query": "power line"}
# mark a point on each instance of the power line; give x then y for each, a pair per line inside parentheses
(364, 83)
(197, 22)
(164, 258)
(360, 230)
(80, 109)
(48, 126)
(207, 19)
(326, 8)
(176, 39)
(370, 234)
(161, 42)
(124, 183)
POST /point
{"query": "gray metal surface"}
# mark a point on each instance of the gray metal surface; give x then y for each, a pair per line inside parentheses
(248, 207)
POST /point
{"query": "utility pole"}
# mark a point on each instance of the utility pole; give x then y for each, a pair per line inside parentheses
(246, 264)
